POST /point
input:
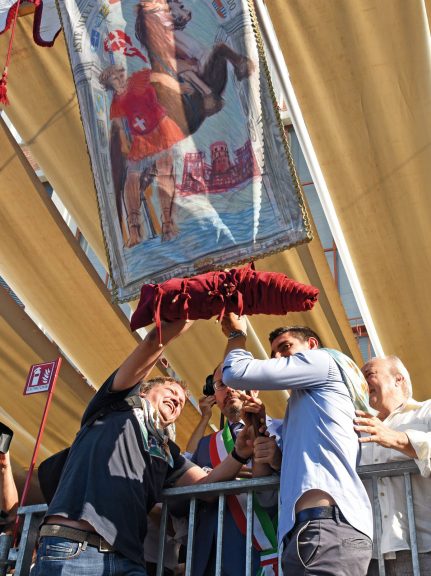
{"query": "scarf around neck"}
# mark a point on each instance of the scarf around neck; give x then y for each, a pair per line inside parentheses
(155, 438)
(353, 379)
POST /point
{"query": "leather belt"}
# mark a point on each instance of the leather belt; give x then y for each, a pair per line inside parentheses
(317, 513)
(81, 536)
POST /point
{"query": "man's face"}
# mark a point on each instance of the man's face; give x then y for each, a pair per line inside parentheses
(287, 344)
(168, 399)
(227, 399)
(118, 80)
(381, 382)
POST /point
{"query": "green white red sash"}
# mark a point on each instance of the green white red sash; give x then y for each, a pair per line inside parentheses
(264, 533)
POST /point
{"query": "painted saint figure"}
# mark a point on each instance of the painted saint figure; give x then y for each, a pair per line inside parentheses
(142, 135)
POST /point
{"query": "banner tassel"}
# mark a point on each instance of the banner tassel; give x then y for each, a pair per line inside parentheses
(3, 81)
(3, 89)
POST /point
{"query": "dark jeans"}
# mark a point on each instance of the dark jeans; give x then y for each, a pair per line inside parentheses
(326, 547)
(61, 557)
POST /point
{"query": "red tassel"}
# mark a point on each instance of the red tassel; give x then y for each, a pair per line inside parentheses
(3, 82)
(3, 89)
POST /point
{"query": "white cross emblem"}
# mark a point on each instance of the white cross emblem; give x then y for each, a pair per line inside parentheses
(139, 123)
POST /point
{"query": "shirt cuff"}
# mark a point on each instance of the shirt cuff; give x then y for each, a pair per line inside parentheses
(421, 442)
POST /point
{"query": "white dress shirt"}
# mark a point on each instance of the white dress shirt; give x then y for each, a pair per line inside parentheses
(413, 418)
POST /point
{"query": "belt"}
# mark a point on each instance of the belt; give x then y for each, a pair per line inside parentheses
(318, 513)
(81, 536)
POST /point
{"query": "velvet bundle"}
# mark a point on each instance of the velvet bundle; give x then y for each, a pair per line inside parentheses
(240, 290)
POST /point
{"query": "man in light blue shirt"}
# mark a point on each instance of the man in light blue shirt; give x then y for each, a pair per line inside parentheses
(325, 520)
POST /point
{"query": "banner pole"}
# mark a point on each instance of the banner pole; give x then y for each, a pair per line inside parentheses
(37, 444)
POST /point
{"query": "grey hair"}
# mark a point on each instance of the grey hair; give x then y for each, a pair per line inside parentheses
(397, 367)
(147, 385)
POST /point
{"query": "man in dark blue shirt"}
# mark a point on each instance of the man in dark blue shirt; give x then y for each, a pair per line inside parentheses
(116, 470)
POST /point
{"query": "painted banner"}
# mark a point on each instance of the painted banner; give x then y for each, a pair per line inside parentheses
(46, 21)
(190, 161)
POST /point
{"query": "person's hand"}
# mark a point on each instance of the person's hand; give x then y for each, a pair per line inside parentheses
(244, 442)
(206, 404)
(253, 412)
(378, 432)
(186, 88)
(266, 451)
(4, 461)
(245, 472)
(232, 322)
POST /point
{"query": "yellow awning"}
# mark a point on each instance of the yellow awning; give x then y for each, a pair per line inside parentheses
(362, 74)
(44, 264)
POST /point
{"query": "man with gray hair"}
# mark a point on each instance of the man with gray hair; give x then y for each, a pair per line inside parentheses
(400, 431)
(117, 466)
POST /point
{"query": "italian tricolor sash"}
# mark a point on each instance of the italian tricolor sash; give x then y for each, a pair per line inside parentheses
(264, 532)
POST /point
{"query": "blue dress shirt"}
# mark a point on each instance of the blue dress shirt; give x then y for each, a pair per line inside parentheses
(320, 447)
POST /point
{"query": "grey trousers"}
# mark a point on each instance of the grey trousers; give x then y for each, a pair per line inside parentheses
(402, 566)
(326, 548)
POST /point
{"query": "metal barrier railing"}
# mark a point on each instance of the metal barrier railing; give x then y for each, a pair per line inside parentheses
(21, 557)
(375, 471)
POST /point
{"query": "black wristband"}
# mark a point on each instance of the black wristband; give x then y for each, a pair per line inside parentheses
(237, 457)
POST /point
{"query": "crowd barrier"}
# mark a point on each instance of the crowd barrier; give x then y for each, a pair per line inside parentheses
(21, 557)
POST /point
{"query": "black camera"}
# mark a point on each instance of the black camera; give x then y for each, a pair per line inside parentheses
(5, 438)
(208, 388)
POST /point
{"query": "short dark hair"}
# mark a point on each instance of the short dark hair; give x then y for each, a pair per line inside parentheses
(146, 385)
(303, 333)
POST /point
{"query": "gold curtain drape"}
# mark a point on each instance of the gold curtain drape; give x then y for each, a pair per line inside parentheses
(43, 262)
(361, 74)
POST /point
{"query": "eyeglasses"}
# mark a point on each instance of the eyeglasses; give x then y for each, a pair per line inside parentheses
(218, 385)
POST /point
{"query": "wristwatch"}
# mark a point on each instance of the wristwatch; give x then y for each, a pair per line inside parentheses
(236, 334)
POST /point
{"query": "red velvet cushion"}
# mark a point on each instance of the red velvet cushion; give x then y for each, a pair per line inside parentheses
(240, 290)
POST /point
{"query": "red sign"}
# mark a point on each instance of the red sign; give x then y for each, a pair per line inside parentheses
(41, 377)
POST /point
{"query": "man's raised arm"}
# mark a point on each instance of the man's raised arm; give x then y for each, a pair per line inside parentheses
(142, 360)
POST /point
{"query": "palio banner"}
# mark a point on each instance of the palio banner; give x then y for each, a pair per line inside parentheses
(190, 159)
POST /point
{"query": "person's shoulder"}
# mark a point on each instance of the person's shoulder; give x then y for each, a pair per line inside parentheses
(203, 442)
(139, 79)
(426, 403)
(315, 356)
(422, 407)
(313, 353)
(201, 454)
(173, 447)
(105, 397)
